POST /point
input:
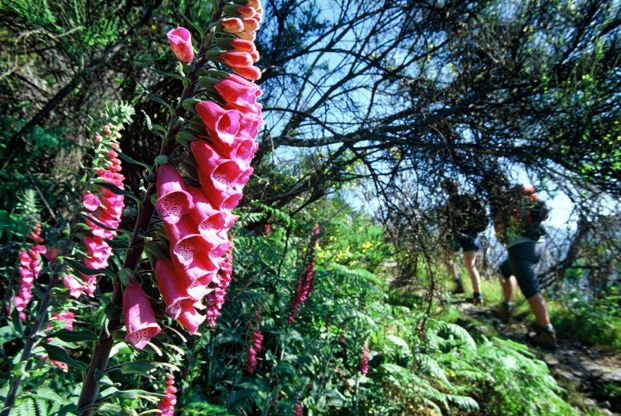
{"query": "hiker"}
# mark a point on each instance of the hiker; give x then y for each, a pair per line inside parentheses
(465, 218)
(517, 214)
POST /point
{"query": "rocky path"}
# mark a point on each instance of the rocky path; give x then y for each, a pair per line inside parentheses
(593, 373)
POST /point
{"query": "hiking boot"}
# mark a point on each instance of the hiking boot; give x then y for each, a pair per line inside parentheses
(477, 299)
(504, 311)
(543, 337)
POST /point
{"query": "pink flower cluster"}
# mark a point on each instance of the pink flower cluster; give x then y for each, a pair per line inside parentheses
(196, 220)
(242, 21)
(305, 283)
(253, 350)
(103, 215)
(215, 299)
(167, 405)
(29, 269)
(364, 364)
(298, 409)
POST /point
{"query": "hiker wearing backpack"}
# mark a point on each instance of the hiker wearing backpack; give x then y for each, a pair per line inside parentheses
(465, 218)
(517, 214)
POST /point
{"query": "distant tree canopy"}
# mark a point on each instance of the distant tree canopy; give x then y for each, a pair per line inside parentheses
(402, 92)
(430, 88)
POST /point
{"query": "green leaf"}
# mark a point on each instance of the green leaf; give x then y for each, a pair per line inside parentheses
(74, 336)
(132, 161)
(58, 354)
(7, 333)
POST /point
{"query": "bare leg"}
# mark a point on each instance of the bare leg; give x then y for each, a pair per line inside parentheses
(470, 259)
(540, 309)
(450, 265)
(508, 288)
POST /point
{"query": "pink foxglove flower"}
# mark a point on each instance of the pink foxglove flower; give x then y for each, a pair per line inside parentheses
(364, 364)
(251, 360)
(218, 169)
(210, 220)
(248, 71)
(298, 410)
(167, 405)
(180, 41)
(66, 318)
(90, 201)
(222, 124)
(243, 45)
(232, 25)
(251, 36)
(29, 270)
(191, 320)
(173, 200)
(236, 94)
(139, 317)
(75, 287)
(250, 24)
(257, 340)
(103, 215)
(246, 11)
(190, 248)
(236, 58)
(305, 283)
(215, 299)
(172, 288)
(35, 235)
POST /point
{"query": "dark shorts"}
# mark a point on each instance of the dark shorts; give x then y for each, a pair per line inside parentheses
(521, 263)
(465, 242)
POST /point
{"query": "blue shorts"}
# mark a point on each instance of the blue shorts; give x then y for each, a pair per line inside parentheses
(465, 242)
(521, 263)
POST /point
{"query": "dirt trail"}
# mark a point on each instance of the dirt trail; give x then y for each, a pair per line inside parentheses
(594, 373)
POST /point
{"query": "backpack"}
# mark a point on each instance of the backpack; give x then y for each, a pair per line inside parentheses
(468, 214)
(528, 211)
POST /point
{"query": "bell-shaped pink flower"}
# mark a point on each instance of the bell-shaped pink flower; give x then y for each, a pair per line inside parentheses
(237, 95)
(247, 71)
(251, 360)
(223, 171)
(195, 273)
(180, 41)
(172, 287)
(243, 45)
(190, 319)
(250, 24)
(236, 58)
(257, 340)
(139, 317)
(364, 363)
(251, 36)
(246, 11)
(75, 287)
(190, 247)
(223, 125)
(255, 56)
(90, 201)
(66, 318)
(220, 197)
(232, 25)
(173, 200)
(209, 219)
